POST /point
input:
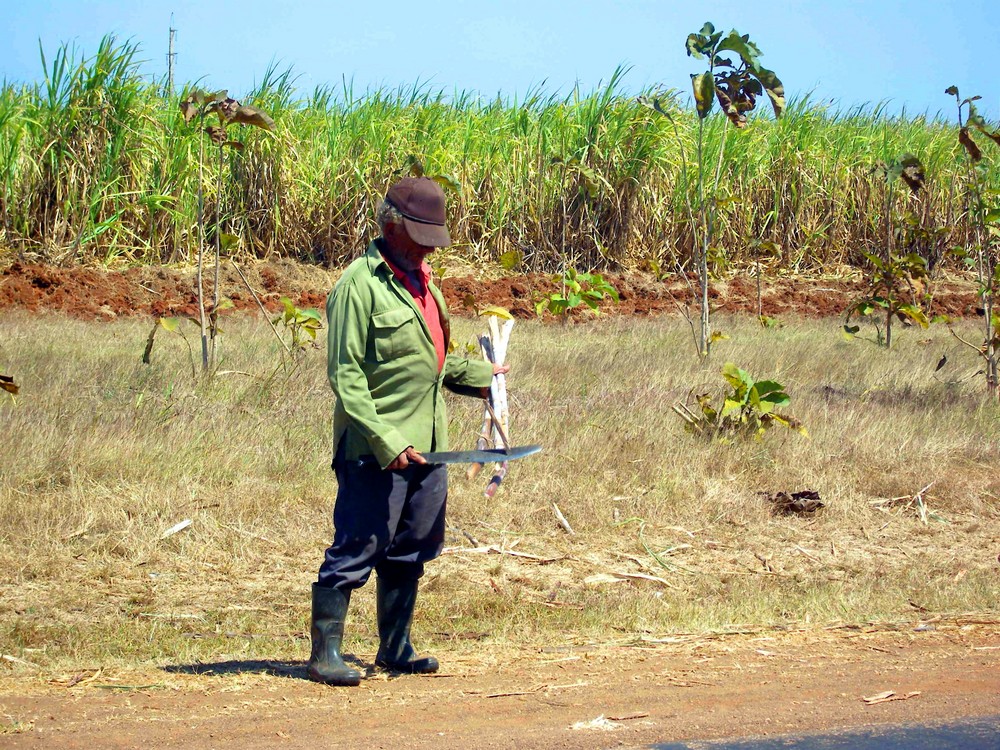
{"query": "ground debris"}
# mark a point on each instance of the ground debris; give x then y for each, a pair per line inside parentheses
(601, 723)
(888, 695)
(788, 503)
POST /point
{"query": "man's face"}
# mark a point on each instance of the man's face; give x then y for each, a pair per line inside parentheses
(406, 253)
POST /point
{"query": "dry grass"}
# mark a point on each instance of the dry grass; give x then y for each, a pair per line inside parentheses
(103, 454)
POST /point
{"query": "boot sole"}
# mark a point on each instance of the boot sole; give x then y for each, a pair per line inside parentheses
(335, 680)
(408, 668)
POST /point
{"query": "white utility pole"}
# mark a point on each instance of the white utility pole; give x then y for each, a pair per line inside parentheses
(171, 58)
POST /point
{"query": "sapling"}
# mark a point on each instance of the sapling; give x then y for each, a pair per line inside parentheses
(748, 410)
(302, 326)
(986, 226)
(199, 104)
(894, 285)
(577, 289)
(735, 81)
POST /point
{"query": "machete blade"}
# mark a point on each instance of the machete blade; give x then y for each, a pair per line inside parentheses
(486, 456)
(489, 455)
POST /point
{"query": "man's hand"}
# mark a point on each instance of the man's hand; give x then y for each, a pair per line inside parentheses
(404, 459)
(497, 370)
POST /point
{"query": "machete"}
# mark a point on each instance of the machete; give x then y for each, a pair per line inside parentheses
(485, 456)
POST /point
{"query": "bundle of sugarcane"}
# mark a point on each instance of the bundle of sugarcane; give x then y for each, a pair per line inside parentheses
(495, 431)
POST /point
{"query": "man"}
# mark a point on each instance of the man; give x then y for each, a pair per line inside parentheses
(387, 363)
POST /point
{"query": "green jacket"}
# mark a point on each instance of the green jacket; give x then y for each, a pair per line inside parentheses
(383, 367)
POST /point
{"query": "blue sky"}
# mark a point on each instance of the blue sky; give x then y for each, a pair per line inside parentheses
(846, 52)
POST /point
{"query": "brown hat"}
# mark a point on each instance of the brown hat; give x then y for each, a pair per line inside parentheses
(421, 202)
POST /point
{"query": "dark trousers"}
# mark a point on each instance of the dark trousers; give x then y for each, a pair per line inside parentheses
(389, 521)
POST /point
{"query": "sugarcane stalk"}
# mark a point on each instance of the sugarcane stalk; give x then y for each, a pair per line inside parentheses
(498, 409)
(482, 441)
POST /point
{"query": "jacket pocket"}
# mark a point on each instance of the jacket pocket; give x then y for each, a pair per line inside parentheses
(393, 333)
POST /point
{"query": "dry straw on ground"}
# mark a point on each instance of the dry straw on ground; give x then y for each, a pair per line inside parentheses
(673, 534)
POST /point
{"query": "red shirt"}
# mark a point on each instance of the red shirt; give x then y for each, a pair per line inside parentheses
(425, 303)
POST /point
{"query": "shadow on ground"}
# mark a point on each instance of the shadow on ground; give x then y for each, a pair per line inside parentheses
(295, 670)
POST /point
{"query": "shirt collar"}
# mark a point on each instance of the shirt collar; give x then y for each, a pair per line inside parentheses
(424, 270)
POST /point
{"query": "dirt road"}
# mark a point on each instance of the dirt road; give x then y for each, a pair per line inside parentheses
(598, 696)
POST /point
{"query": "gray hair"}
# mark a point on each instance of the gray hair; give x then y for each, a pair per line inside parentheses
(387, 214)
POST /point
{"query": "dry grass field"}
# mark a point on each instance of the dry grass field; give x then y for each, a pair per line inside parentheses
(672, 533)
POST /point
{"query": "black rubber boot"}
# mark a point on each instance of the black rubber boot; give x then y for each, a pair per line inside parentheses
(329, 611)
(395, 613)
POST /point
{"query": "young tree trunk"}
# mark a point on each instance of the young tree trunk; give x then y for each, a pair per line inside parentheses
(990, 352)
(201, 252)
(214, 327)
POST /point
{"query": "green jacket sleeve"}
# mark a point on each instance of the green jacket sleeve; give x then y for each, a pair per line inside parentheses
(348, 313)
(466, 376)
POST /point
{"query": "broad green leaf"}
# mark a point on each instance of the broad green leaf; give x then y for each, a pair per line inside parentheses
(864, 307)
(915, 263)
(511, 259)
(703, 86)
(953, 90)
(851, 330)
(228, 241)
(729, 407)
(313, 314)
(701, 44)
(773, 87)
(875, 261)
(992, 216)
(742, 46)
(171, 324)
(915, 314)
(779, 398)
(739, 379)
(448, 182)
(497, 312)
(766, 387)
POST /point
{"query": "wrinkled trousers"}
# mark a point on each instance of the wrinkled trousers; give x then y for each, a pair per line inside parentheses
(388, 521)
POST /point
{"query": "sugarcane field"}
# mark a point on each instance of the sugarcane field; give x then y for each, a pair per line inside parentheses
(643, 415)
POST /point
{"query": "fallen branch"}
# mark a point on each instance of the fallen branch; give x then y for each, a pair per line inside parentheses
(15, 660)
(562, 519)
(888, 695)
(260, 304)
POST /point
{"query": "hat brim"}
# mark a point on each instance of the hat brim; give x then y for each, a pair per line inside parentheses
(428, 235)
